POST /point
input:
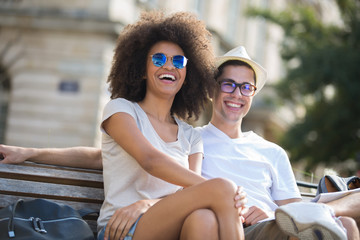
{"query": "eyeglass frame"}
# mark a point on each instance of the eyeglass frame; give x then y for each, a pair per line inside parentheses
(172, 60)
(237, 85)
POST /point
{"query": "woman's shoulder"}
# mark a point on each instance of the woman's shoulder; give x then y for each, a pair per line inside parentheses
(184, 125)
(119, 101)
(188, 129)
(119, 105)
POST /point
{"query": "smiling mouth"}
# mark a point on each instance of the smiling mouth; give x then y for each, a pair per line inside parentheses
(167, 77)
(234, 105)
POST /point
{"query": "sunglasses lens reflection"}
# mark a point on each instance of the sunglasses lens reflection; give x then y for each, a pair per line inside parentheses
(159, 59)
(178, 61)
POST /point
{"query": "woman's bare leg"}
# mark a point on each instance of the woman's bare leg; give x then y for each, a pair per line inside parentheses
(200, 224)
(166, 218)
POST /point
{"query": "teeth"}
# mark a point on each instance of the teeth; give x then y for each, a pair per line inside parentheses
(167, 76)
(233, 105)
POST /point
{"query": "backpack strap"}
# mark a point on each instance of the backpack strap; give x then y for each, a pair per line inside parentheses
(11, 232)
(86, 211)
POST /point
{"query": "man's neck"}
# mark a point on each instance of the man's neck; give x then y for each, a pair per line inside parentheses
(233, 129)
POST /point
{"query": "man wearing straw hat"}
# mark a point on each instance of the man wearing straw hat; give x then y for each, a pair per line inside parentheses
(260, 167)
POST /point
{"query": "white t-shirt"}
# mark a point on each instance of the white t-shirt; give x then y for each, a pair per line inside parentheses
(125, 181)
(262, 168)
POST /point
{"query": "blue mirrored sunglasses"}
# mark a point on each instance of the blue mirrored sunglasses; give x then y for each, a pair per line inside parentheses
(178, 61)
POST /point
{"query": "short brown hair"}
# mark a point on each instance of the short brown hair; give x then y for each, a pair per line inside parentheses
(220, 69)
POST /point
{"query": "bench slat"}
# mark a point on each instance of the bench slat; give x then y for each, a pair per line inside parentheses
(56, 191)
(63, 176)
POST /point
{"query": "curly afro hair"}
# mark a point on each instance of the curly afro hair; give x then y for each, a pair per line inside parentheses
(126, 77)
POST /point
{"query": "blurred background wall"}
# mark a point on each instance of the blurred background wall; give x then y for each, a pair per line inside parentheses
(55, 57)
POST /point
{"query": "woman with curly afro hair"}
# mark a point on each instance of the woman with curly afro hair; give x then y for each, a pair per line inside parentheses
(162, 72)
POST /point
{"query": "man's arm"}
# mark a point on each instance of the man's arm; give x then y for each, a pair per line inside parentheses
(81, 157)
(287, 201)
(255, 214)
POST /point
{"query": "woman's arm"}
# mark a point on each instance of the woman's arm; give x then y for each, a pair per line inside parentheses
(123, 129)
(82, 157)
(287, 201)
(195, 162)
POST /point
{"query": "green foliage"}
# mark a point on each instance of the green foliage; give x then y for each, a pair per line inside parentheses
(323, 76)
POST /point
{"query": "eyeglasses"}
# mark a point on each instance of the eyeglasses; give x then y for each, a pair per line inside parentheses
(246, 89)
(159, 59)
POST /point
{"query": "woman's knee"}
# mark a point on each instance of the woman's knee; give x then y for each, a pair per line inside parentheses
(204, 218)
(200, 224)
(223, 186)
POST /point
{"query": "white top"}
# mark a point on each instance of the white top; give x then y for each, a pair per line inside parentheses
(125, 182)
(261, 167)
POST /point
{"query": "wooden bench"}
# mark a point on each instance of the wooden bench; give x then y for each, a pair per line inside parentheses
(307, 189)
(79, 188)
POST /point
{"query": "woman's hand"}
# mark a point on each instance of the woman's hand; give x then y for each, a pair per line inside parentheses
(123, 218)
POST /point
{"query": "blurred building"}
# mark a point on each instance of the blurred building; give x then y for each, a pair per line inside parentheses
(55, 57)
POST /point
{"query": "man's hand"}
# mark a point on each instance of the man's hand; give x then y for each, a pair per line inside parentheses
(14, 155)
(254, 214)
(240, 198)
(123, 218)
(240, 201)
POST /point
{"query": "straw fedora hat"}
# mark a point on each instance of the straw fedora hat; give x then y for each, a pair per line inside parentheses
(239, 53)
